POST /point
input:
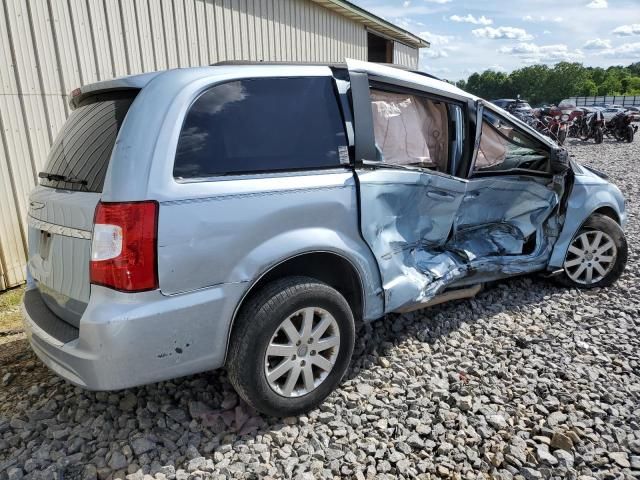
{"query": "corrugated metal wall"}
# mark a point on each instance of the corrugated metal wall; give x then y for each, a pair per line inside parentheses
(405, 55)
(50, 47)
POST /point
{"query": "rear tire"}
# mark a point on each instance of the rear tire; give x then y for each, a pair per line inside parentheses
(630, 134)
(275, 363)
(598, 135)
(597, 255)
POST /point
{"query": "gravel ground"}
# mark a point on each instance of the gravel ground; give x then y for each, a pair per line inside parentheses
(527, 380)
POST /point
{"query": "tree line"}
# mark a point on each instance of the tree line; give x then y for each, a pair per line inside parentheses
(543, 84)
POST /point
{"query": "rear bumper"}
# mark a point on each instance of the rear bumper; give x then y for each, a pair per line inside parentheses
(126, 340)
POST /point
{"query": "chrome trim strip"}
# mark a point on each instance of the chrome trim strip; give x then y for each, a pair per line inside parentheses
(58, 229)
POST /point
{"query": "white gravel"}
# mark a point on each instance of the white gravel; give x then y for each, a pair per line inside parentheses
(527, 380)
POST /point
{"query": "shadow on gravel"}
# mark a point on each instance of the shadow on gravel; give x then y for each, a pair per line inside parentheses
(199, 418)
(430, 324)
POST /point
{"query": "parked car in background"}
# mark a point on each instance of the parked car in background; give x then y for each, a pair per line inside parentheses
(249, 216)
(635, 113)
(512, 104)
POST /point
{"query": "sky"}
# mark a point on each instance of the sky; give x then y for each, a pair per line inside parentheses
(473, 36)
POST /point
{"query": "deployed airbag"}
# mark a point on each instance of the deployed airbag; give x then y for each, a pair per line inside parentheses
(493, 148)
(410, 129)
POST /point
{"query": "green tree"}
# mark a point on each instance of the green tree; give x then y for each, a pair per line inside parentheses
(461, 84)
(587, 89)
(528, 82)
(544, 84)
(597, 74)
(489, 84)
(611, 85)
(564, 81)
(633, 87)
(634, 69)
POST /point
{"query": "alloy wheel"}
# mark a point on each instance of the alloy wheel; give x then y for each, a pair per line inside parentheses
(590, 257)
(302, 352)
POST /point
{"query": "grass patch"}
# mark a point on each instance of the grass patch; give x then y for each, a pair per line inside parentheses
(10, 314)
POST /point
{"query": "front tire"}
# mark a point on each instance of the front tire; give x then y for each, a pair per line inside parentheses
(583, 133)
(562, 137)
(597, 254)
(630, 133)
(291, 346)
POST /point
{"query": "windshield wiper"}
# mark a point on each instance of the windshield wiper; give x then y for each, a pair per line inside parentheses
(55, 177)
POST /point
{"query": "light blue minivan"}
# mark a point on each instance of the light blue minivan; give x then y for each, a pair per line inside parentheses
(249, 216)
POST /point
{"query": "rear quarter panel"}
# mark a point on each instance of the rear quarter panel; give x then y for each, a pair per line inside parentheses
(231, 229)
(246, 226)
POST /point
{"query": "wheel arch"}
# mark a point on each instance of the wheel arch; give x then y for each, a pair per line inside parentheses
(607, 211)
(571, 228)
(329, 267)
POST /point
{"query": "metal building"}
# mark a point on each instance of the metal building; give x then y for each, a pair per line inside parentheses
(50, 47)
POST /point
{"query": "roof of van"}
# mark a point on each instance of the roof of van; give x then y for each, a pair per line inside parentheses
(374, 70)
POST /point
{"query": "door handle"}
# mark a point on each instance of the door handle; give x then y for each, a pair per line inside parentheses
(440, 195)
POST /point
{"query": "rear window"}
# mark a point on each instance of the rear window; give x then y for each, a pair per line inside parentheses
(79, 157)
(262, 125)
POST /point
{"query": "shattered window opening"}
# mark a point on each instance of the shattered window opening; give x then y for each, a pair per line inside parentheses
(503, 147)
(431, 231)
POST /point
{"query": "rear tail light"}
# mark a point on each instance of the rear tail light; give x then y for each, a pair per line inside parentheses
(124, 246)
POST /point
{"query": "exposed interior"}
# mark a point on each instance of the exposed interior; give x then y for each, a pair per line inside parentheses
(410, 129)
(503, 147)
(430, 230)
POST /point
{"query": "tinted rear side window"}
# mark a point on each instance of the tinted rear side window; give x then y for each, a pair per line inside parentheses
(262, 125)
(82, 150)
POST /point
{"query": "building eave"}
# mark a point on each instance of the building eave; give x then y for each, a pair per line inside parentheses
(369, 20)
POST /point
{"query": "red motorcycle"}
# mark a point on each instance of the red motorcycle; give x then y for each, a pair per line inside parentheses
(557, 127)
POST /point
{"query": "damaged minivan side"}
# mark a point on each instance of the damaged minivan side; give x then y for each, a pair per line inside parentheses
(249, 216)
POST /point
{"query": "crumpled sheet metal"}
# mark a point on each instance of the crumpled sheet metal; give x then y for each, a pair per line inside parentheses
(522, 202)
(426, 243)
(489, 240)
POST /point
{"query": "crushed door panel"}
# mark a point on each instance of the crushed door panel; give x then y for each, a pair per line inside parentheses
(430, 230)
(403, 214)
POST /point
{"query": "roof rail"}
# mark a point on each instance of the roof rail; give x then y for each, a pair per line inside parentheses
(320, 64)
(317, 64)
(274, 62)
(425, 74)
